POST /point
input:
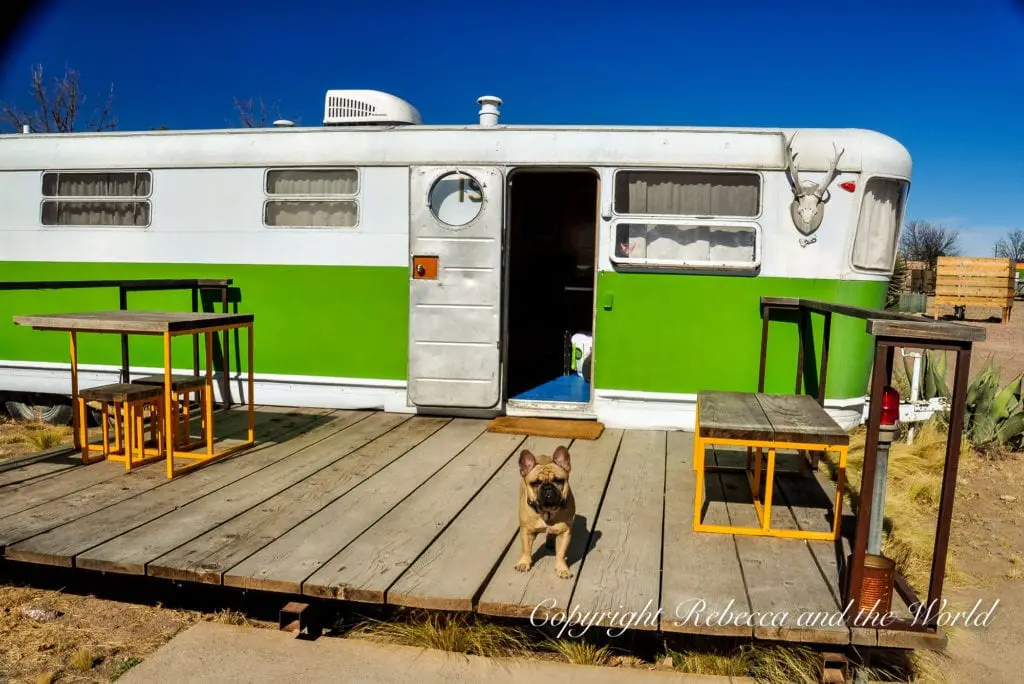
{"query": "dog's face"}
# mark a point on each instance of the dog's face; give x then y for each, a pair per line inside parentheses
(546, 477)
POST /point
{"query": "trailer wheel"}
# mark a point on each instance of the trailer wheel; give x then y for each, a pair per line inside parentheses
(58, 414)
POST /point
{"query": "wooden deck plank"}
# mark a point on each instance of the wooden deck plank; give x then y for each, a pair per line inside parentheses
(17, 498)
(53, 512)
(701, 582)
(454, 568)
(732, 415)
(208, 556)
(58, 530)
(621, 574)
(286, 563)
(799, 418)
(783, 580)
(131, 551)
(14, 476)
(368, 566)
(518, 594)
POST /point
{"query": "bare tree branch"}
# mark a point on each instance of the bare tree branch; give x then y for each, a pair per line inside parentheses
(57, 109)
(255, 113)
(1011, 246)
(925, 241)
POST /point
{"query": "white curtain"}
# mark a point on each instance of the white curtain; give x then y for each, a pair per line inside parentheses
(88, 184)
(687, 193)
(84, 213)
(312, 214)
(696, 243)
(322, 182)
(874, 246)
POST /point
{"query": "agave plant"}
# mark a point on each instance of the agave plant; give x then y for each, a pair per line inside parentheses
(896, 282)
(933, 375)
(994, 415)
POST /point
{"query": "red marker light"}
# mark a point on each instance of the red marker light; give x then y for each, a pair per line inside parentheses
(848, 186)
(890, 406)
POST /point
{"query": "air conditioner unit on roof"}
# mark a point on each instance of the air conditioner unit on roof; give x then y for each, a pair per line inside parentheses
(362, 107)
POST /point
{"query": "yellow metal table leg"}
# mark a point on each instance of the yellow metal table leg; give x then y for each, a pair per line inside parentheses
(169, 436)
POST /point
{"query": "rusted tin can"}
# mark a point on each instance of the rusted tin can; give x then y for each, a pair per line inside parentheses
(877, 585)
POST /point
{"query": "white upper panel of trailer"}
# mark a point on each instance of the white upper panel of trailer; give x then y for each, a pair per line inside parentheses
(683, 147)
(208, 185)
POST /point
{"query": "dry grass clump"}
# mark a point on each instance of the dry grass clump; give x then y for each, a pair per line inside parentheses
(710, 663)
(83, 660)
(19, 437)
(457, 633)
(579, 652)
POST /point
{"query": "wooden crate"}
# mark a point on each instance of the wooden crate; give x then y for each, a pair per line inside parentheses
(975, 281)
(919, 278)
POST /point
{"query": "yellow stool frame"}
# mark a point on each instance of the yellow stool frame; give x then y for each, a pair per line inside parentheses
(129, 444)
(134, 433)
(181, 388)
(764, 511)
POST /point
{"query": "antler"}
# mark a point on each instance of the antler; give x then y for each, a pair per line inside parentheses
(831, 174)
(794, 174)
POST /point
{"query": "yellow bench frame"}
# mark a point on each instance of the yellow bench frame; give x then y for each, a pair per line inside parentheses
(764, 512)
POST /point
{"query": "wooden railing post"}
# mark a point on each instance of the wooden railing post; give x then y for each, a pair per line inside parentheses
(122, 301)
(823, 372)
(766, 314)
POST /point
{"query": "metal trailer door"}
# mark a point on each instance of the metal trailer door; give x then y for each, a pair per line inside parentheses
(455, 241)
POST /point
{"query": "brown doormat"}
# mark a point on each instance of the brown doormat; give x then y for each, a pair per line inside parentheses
(547, 427)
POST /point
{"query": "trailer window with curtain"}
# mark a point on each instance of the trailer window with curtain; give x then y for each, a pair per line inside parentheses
(687, 219)
(687, 245)
(312, 198)
(688, 193)
(96, 198)
(874, 245)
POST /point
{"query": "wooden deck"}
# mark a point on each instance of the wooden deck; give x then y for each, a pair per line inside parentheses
(421, 511)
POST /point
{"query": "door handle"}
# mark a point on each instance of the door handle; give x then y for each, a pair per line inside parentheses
(607, 302)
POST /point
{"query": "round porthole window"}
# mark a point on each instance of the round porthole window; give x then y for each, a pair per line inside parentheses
(456, 199)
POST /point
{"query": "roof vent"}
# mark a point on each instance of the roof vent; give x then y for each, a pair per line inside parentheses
(489, 110)
(283, 123)
(367, 107)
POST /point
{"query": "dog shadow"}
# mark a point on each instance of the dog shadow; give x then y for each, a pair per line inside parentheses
(582, 539)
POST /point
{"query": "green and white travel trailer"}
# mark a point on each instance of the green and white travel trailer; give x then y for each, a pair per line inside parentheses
(648, 246)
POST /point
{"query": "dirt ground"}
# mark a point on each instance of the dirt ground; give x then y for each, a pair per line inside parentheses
(987, 539)
(95, 639)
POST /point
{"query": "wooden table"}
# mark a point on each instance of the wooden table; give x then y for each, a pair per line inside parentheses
(167, 324)
(765, 421)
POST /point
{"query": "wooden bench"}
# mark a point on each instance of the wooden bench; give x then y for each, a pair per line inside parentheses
(765, 422)
(129, 437)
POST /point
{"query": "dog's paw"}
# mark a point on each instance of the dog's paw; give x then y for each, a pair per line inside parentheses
(563, 573)
(523, 565)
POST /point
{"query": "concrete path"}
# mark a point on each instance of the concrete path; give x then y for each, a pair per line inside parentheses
(222, 653)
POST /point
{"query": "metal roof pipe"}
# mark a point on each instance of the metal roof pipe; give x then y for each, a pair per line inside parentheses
(489, 110)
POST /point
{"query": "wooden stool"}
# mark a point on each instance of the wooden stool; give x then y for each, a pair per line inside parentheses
(181, 387)
(129, 437)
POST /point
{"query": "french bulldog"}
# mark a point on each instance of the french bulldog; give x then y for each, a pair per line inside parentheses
(546, 505)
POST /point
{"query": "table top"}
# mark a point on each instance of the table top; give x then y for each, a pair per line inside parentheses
(794, 418)
(145, 322)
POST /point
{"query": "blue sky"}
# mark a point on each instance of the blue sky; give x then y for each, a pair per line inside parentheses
(946, 79)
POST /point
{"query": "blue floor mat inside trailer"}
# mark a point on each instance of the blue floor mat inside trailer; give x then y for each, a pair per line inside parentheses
(566, 388)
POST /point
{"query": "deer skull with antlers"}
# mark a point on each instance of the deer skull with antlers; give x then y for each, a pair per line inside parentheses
(810, 198)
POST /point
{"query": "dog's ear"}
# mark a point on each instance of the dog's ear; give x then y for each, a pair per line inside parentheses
(561, 458)
(526, 462)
